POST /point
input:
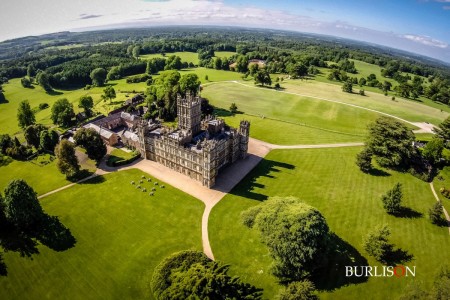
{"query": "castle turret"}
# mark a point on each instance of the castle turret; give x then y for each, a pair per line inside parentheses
(189, 113)
(244, 130)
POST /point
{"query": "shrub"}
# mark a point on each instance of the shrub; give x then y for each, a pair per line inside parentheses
(435, 213)
(43, 106)
(392, 199)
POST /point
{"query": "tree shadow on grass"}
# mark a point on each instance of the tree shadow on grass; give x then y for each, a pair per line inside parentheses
(49, 232)
(408, 213)
(266, 168)
(397, 257)
(220, 112)
(333, 274)
(94, 180)
(378, 172)
(82, 174)
(54, 93)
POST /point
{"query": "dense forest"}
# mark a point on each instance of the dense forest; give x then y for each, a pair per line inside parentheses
(67, 60)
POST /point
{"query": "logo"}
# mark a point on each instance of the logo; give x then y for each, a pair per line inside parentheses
(377, 271)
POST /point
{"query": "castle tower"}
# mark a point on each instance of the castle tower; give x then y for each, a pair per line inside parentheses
(244, 130)
(189, 113)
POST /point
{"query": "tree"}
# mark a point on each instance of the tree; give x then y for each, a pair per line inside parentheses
(2, 97)
(390, 142)
(392, 200)
(21, 206)
(300, 290)
(441, 285)
(253, 69)
(48, 140)
(364, 160)
(376, 243)
(26, 82)
(67, 160)
(31, 71)
(43, 79)
(109, 93)
(192, 275)
(32, 134)
(297, 70)
(435, 213)
(262, 77)
(443, 130)
(173, 63)
(98, 76)
(233, 108)
(241, 64)
(87, 103)
(25, 115)
(362, 92)
(62, 112)
(348, 87)
(114, 73)
(218, 63)
(5, 142)
(433, 150)
(136, 51)
(296, 234)
(92, 142)
(189, 83)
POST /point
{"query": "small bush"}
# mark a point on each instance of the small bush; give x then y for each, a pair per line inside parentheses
(43, 106)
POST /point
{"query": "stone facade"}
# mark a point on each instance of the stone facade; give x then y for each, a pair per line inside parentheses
(197, 148)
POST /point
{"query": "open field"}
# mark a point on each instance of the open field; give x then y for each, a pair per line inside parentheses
(290, 108)
(185, 56)
(223, 54)
(42, 177)
(410, 110)
(329, 180)
(122, 233)
(275, 132)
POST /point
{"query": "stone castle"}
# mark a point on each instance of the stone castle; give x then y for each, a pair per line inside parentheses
(197, 148)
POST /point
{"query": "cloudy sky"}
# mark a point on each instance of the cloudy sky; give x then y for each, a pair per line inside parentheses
(420, 26)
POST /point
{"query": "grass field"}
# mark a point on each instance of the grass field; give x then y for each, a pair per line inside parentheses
(410, 110)
(122, 233)
(329, 180)
(275, 132)
(290, 108)
(42, 177)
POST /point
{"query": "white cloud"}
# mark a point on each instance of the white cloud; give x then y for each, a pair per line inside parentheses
(426, 40)
(23, 17)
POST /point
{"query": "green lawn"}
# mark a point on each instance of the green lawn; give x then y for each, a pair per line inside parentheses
(329, 180)
(290, 108)
(410, 110)
(185, 56)
(223, 54)
(118, 155)
(122, 233)
(283, 133)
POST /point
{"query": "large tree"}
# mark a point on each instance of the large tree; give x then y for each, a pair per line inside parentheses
(62, 112)
(189, 83)
(48, 140)
(390, 142)
(296, 234)
(443, 130)
(98, 76)
(109, 93)
(433, 150)
(392, 200)
(90, 140)
(21, 206)
(32, 134)
(192, 275)
(43, 79)
(262, 77)
(87, 103)
(25, 115)
(377, 244)
(299, 290)
(173, 63)
(67, 160)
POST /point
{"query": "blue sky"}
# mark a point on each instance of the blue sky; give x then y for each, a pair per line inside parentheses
(420, 26)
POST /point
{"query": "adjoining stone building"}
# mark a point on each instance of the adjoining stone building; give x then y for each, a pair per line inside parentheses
(197, 148)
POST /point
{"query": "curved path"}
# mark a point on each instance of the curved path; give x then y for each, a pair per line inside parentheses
(226, 180)
(447, 217)
(423, 127)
